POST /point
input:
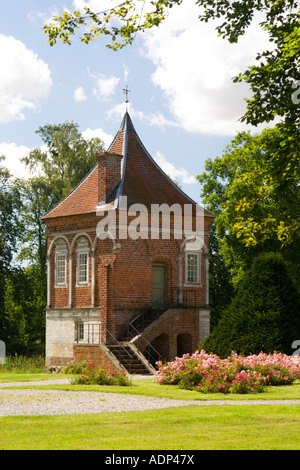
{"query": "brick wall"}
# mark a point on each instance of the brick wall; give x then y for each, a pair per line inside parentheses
(94, 354)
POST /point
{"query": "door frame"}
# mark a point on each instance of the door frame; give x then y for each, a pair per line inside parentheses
(163, 297)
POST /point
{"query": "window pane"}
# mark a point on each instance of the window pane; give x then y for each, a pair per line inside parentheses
(61, 269)
(80, 331)
(82, 268)
(192, 268)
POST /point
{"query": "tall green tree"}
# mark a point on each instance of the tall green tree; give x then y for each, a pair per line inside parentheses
(236, 189)
(66, 159)
(221, 289)
(10, 205)
(25, 303)
(263, 316)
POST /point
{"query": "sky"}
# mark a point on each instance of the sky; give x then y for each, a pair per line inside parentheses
(182, 100)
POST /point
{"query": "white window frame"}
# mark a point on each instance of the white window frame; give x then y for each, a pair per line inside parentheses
(80, 332)
(60, 283)
(86, 281)
(194, 281)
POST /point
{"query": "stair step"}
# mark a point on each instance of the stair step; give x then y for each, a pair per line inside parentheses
(130, 361)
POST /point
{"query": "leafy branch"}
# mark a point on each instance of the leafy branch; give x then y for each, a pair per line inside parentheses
(121, 23)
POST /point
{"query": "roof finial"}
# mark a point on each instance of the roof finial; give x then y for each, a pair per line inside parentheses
(126, 91)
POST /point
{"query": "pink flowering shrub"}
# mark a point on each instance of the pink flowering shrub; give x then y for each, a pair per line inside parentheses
(208, 373)
(89, 374)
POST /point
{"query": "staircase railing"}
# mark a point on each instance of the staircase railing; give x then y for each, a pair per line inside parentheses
(145, 348)
(90, 333)
(141, 318)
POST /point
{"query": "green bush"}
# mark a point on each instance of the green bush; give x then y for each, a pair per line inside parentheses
(89, 374)
(263, 316)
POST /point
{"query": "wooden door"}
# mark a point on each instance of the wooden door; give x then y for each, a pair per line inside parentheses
(158, 286)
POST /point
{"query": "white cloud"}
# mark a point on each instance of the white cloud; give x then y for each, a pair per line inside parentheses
(79, 94)
(172, 171)
(153, 119)
(194, 68)
(24, 79)
(94, 5)
(104, 86)
(93, 133)
(126, 72)
(13, 153)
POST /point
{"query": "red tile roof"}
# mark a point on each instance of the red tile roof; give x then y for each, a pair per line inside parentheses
(142, 180)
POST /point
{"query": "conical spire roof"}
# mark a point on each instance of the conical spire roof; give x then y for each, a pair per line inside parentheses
(142, 180)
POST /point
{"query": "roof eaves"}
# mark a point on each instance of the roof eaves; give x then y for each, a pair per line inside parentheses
(66, 197)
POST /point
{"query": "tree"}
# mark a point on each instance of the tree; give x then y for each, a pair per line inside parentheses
(67, 159)
(236, 188)
(273, 79)
(132, 16)
(10, 204)
(221, 290)
(263, 316)
(25, 303)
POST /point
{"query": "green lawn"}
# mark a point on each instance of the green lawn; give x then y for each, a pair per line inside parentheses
(225, 427)
(26, 377)
(208, 427)
(146, 387)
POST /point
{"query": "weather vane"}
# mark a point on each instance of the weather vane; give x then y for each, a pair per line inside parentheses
(126, 91)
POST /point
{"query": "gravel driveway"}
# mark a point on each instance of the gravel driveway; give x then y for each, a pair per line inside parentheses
(57, 402)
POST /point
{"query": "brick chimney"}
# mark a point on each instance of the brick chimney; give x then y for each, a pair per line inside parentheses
(109, 173)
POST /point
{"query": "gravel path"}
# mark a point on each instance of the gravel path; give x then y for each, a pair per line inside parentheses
(57, 402)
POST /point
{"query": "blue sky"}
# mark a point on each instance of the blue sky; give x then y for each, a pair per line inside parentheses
(183, 103)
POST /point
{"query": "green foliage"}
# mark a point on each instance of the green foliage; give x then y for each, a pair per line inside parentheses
(10, 204)
(221, 288)
(89, 374)
(263, 316)
(23, 364)
(130, 15)
(66, 161)
(236, 188)
(25, 303)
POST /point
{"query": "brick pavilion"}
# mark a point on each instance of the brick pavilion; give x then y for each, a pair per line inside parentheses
(123, 290)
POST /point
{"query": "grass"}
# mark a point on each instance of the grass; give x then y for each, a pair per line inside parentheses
(213, 427)
(146, 387)
(21, 364)
(193, 428)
